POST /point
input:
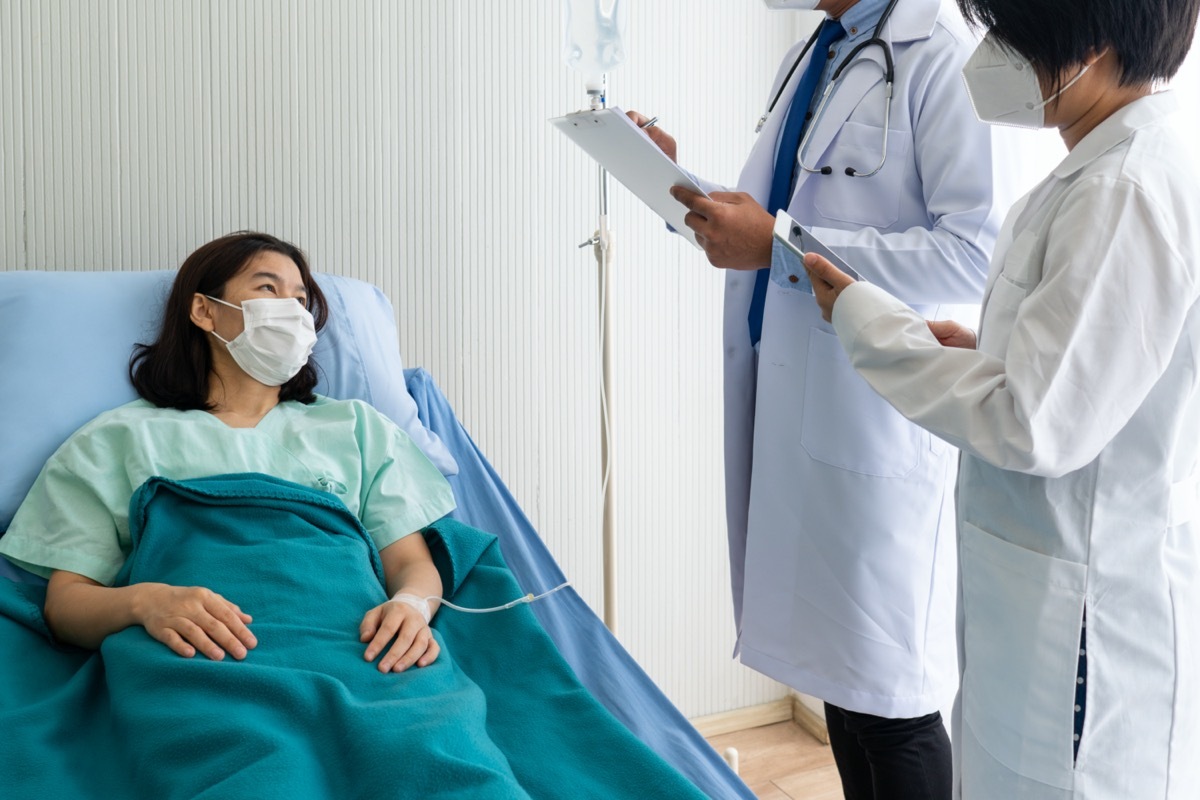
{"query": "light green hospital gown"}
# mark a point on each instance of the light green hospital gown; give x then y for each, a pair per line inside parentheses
(76, 516)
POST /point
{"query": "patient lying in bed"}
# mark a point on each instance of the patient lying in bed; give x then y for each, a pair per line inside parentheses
(229, 512)
(227, 388)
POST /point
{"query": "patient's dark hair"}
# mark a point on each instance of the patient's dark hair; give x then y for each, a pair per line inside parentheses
(1149, 37)
(174, 370)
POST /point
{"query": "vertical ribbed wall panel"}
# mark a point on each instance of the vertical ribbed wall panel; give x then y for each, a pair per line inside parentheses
(14, 165)
(405, 143)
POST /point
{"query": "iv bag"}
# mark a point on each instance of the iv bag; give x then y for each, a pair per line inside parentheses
(592, 31)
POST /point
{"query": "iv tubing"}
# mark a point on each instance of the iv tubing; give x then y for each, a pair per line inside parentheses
(529, 598)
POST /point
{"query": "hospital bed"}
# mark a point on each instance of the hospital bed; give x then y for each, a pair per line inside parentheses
(65, 340)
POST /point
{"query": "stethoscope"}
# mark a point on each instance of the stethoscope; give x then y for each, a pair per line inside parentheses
(889, 74)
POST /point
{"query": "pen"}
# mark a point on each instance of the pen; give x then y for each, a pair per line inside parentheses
(650, 123)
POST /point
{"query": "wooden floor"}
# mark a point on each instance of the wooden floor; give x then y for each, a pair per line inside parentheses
(783, 762)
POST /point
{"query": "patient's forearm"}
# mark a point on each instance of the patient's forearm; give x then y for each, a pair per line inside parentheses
(402, 626)
(82, 612)
(419, 579)
(187, 619)
(409, 568)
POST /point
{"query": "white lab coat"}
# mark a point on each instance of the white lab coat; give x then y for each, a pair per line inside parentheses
(839, 510)
(1079, 422)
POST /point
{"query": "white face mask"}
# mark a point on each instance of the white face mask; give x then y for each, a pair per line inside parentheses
(278, 338)
(1004, 88)
(799, 5)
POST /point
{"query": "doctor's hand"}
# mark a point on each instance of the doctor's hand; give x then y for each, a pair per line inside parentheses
(827, 281)
(734, 230)
(950, 334)
(664, 140)
(406, 629)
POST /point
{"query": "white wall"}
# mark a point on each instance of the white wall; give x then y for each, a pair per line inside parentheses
(405, 143)
(1186, 85)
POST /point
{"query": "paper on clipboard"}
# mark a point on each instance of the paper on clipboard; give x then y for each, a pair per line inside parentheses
(630, 156)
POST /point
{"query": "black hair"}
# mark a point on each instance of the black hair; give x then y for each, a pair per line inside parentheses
(174, 370)
(1150, 38)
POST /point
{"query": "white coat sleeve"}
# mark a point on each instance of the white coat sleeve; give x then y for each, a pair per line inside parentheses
(1088, 342)
(954, 152)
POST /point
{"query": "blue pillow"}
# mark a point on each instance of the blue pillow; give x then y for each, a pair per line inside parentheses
(66, 339)
(358, 358)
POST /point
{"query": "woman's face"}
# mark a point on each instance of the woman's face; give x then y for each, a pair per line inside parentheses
(268, 274)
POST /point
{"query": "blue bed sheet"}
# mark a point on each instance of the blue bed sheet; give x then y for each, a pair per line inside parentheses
(601, 664)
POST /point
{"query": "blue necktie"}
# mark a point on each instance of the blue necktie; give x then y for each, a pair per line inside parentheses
(785, 161)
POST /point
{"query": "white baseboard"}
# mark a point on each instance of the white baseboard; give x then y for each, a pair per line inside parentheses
(744, 718)
(809, 720)
(789, 708)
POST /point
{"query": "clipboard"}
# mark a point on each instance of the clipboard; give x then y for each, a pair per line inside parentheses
(630, 156)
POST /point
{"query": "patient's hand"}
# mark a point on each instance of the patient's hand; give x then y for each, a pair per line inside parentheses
(403, 626)
(188, 619)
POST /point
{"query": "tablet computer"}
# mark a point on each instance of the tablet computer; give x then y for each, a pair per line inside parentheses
(800, 240)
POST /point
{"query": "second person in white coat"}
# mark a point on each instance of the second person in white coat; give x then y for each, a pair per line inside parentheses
(840, 511)
(1078, 414)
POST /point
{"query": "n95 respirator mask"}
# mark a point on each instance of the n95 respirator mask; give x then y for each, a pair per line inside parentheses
(1004, 87)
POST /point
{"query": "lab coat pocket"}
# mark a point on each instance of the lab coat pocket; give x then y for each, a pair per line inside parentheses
(787, 270)
(1019, 272)
(846, 424)
(858, 145)
(1022, 613)
(1006, 294)
(1022, 262)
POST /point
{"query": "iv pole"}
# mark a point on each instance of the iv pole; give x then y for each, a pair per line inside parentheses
(601, 244)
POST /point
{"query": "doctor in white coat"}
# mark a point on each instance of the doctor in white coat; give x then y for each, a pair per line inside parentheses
(840, 511)
(1078, 415)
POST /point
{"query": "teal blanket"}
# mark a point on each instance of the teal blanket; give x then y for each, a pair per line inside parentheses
(499, 714)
